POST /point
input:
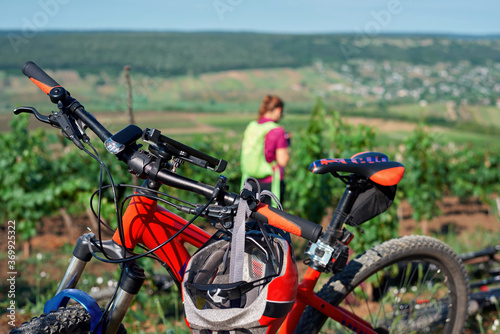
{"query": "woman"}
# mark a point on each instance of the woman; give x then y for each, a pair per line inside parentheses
(264, 152)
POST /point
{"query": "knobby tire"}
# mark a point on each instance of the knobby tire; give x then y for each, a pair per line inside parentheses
(65, 320)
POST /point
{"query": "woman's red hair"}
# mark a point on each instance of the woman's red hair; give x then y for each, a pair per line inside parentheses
(270, 103)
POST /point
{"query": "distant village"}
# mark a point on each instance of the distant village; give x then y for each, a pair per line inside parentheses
(398, 83)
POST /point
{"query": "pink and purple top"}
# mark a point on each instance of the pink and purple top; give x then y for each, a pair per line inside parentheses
(275, 139)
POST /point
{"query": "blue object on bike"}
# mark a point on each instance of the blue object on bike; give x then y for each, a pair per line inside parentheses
(89, 303)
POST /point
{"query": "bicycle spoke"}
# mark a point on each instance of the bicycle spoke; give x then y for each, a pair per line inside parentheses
(381, 292)
(417, 294)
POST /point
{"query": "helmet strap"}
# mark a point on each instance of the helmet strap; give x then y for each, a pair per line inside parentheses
(238, 238)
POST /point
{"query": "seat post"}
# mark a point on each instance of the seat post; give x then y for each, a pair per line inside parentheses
(334, 230)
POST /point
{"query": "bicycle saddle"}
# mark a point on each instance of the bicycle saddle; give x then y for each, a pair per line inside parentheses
(374, 165)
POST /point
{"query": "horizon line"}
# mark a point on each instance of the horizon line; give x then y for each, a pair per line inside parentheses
(389, 33)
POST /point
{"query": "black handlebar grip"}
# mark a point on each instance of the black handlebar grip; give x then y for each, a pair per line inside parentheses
(39, 77)
(288, 222)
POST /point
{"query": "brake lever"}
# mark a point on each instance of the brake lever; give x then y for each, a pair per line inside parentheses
(38, 116)
(58, 120)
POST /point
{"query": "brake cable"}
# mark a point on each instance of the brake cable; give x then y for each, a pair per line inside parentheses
(138, 256)
(102, 166)
(175, 206)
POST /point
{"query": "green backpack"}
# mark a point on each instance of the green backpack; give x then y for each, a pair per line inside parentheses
(253, 160)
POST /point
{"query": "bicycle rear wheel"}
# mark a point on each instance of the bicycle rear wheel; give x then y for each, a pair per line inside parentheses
(413, 284)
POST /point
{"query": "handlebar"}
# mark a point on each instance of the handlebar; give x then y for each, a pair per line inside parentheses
(144, 165)
(39, 77)
(288, 222)
(92, 123)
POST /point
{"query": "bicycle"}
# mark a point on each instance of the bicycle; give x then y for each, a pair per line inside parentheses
(409, 284)
(484, 272)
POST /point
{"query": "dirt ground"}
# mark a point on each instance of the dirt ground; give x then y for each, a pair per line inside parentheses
(53, 234)
(456, 217)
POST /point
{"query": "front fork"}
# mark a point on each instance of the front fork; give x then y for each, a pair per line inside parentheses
(132, 279)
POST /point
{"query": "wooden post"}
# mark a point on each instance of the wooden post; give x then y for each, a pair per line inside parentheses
(126, 71)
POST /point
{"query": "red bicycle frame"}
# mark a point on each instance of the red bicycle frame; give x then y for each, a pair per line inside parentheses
(306, 296)
(148, 223)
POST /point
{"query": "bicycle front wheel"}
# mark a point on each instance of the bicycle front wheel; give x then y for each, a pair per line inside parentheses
(72, 319)
(413, 284)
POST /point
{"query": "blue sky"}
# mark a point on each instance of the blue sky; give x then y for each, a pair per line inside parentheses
(294, 16)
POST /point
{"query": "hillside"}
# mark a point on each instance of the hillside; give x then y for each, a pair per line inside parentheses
(178, 53)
